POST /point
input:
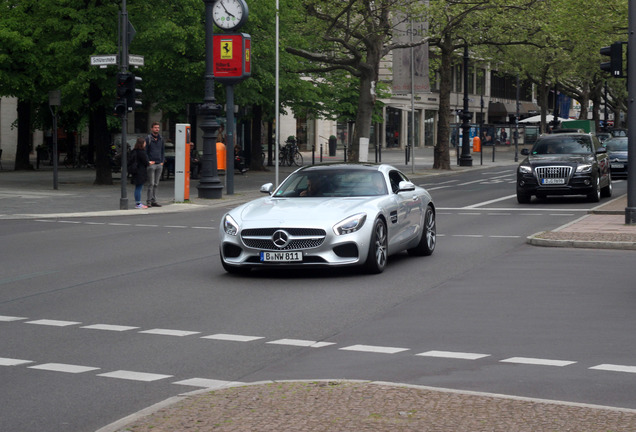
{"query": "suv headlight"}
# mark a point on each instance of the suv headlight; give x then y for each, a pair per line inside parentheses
(350, 224)
(525, 169)
(584, 168)
(230, 226)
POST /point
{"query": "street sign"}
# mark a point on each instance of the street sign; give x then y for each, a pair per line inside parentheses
(135, 60)
(104, 60)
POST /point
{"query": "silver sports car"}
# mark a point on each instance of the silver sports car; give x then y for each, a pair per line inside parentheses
(330, 215)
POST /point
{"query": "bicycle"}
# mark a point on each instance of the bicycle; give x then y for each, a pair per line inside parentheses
(289, 154)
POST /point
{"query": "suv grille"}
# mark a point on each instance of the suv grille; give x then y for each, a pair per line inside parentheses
(299, 238)
(553, 172)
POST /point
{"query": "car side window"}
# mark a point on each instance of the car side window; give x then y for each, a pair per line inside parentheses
(396, 177)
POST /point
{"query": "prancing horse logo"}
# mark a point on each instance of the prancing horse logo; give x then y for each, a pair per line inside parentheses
(280, 239)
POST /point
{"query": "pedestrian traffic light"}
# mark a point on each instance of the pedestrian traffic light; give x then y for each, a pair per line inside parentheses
(615, 65)
(133, 92)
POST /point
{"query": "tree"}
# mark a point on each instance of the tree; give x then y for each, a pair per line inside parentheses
(354, 36)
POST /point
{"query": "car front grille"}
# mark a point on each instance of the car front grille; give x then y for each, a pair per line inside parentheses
(298, 238)
(553, 172)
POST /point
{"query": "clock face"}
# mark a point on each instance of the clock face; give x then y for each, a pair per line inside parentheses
(229, 14)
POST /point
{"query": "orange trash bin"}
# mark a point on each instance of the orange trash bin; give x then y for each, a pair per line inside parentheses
(221, 157)
(476, 145)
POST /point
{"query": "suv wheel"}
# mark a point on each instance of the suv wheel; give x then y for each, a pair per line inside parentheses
(595, 194)
(607, 190)
(523, 198)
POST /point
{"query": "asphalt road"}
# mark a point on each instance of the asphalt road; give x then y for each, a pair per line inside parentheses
(104, 316)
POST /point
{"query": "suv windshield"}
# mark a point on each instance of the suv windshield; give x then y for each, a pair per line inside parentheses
(563, 145)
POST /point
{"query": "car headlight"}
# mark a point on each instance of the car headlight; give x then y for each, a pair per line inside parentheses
(350, 224)
(230, 226)
(584, 168)
(525, 169)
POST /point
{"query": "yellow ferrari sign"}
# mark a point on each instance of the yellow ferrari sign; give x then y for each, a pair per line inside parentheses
(226, 49)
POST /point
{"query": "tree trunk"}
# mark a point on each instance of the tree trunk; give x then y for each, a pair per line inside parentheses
(23, 149)
(441, 155)
(99, 137)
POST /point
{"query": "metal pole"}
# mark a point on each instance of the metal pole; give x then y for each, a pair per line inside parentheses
(412, 105)
(466, 159)
(630, 210)
(123, 200)
(517, 124)
(229, 142)
(277, 99)
(210, 185)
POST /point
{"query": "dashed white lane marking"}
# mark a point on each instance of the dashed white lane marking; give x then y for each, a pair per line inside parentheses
(301, 343)
(12, 362)
(134, 376)
(168, 332)
(537, 361)
(61, 367)
(374, 349)
(109, 327)
(206, 383)
(11, 318)
(232, 337)
(55, 323)
(175, 226)
(615, 368)
(453, 355)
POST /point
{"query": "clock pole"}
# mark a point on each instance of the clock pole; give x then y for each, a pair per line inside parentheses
(210, 185)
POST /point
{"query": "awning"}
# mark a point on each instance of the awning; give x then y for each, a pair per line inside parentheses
(504, 109)
(497, 109)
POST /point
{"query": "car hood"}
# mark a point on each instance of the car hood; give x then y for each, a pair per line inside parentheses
(307, 210)
(560, 158)
(617, 155)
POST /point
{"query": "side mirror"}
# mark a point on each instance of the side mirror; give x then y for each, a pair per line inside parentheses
(601, 150)
(267, 188)
(525, 152)
(405, 186)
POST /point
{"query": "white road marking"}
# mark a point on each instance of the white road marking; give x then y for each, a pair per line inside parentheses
(300, 343)
(481, 204)
(12, 362)
(55, 323)
(453, 355)
(134, 376)
(537, 361)
(175, 226)
(61, 367)
(10, 318)
(168, 332)
(119, 224)
(146, 225)
(109, 327)
(615, 368)
(206, 228)
(206, 383)
(467, 235)
(232, 337)
(374, 349)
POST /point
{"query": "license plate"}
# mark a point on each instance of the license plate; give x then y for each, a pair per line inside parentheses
(617, 165)
(552, 181)
(289, 256)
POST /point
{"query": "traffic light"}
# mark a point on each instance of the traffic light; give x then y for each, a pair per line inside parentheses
(127, 93)
(121, 105)
(615, 65)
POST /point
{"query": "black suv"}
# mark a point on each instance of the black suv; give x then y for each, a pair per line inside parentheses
(564, 164)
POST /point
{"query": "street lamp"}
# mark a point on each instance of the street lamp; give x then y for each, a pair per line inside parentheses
(210, 185)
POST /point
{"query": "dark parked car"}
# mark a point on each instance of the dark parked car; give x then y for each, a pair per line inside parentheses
(617, 152)
(564, 164)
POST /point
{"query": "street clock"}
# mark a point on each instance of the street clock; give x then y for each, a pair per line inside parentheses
(229, 14)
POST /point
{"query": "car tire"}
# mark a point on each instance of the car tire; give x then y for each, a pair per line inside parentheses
(377, 256)
(523, 198)
(606, 191)
(595, 194)
(426, 246)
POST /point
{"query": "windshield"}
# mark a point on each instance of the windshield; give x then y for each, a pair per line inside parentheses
(333, 183)
(563, 145)
(616, 144)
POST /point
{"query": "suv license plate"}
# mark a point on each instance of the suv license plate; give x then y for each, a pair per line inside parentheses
(290, 256)
(552, 181)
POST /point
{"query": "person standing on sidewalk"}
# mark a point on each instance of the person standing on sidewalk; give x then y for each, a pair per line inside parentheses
(139, 169)
(155, 149)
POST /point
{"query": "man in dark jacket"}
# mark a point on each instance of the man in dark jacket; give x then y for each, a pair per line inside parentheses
(155, 149)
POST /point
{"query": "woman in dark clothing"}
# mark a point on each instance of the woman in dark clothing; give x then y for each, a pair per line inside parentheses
(138, 164)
